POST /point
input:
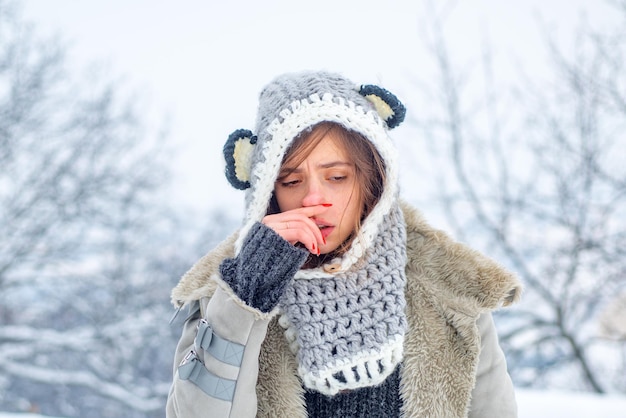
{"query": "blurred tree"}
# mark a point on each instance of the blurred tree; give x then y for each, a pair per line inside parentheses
(88, 253)
(536, 175)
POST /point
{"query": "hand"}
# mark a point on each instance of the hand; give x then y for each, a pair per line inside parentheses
(297, 226)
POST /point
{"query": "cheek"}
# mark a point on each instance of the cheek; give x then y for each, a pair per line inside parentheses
(286, 200)
(353, 210)
(280, 200)
(350, 204)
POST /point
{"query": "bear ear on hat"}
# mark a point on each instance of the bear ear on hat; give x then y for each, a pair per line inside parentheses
(238, 155)
(388, 106)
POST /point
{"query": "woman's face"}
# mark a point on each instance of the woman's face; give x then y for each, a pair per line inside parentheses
(327, 175)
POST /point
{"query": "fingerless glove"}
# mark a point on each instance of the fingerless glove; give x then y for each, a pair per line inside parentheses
(263, 267)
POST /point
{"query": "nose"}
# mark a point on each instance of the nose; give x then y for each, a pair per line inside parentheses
(314, 193)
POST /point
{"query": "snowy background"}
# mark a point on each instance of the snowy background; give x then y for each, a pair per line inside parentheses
(204, 62)
(84, 309)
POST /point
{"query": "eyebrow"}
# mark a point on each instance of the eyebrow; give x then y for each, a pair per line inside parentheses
(284, 172)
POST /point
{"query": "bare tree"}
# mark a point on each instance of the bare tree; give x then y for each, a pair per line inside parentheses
(536, 176)
(88, 253)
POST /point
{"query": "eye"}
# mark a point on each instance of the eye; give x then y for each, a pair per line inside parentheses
(289, 183)
(338, 175)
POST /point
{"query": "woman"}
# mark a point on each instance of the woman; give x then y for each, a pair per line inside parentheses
(335, 298)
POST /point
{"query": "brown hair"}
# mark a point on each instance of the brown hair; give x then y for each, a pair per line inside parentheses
(369, 170)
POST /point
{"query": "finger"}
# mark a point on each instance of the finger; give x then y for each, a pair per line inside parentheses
(293, 220)
(300, 214)
(296, 229)
(310, 211)
(302, 236)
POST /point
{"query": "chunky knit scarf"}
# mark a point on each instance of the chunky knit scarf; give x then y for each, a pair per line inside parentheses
(347, 328)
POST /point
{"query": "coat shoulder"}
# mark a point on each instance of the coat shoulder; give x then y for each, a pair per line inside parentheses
(459, 276)
(197, 282)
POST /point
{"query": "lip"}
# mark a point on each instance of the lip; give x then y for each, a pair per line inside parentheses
(329, 228)
(327, 231)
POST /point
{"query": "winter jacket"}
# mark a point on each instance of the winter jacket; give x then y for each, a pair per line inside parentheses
(452, 367)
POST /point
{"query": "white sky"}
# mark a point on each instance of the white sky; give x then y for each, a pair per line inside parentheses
(204, 61)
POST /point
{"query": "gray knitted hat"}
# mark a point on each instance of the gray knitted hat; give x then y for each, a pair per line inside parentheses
(292, 103)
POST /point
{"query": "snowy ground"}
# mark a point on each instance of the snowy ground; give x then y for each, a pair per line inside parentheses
(533, 404)
(550, 404)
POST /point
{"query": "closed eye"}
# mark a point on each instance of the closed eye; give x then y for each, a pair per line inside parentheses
(337, 178)
(291, 183)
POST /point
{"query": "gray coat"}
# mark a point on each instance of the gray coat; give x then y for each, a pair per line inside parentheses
(452, 367)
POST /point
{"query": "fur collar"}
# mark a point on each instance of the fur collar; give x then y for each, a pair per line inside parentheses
(469, 282)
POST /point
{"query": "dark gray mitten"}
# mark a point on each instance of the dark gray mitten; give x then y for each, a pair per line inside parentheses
(264, 266)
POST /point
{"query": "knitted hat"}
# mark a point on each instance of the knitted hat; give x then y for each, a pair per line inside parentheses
(292, 103)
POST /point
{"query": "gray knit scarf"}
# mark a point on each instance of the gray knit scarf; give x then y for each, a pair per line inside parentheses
(347, 328)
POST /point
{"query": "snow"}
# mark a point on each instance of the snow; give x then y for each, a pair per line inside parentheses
(554, 404)
(532, 404)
